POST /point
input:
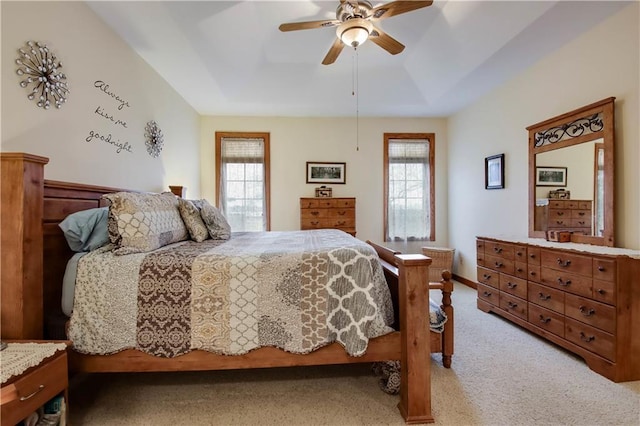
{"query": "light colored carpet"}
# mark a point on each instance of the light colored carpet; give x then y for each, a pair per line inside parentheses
(501, 375)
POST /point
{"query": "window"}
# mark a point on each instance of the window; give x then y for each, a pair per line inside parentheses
(409, 213)
(242, 173)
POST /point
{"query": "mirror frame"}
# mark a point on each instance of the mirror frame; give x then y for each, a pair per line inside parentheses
(568, 129)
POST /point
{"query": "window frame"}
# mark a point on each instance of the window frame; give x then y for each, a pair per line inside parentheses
(265, 136)
(431, 137)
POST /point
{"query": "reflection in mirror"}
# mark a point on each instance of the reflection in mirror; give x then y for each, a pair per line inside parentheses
(581, 184)
(571, 175)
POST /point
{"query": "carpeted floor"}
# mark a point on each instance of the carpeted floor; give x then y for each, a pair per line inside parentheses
(501, 375)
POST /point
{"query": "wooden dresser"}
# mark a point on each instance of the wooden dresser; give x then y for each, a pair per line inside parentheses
(565, 215)
(333, 213)
(584, 298)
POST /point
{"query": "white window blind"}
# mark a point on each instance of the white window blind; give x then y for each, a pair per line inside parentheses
(408, 204)
(242, 183)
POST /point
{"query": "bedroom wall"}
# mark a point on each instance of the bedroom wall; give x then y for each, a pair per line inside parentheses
(601, 63)
(91, 52)
(294, 141)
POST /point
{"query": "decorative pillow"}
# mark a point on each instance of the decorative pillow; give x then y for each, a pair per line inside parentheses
(86, 230)
(193, 221)
(141, 222)
(219, 228)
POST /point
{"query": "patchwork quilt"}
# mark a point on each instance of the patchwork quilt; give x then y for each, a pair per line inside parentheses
(297, 290)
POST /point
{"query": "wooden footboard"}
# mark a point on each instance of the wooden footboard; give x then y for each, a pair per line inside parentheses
(411, 344)
(440, 342)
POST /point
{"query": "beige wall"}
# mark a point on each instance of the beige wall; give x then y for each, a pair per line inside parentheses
(294, 141)
(90, 51)
(601, 63)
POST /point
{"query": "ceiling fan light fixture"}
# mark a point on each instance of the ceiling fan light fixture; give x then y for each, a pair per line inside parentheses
(354, 32)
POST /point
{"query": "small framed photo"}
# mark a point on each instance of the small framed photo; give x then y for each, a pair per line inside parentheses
(551, 176)
(494, 172)
(326, 172)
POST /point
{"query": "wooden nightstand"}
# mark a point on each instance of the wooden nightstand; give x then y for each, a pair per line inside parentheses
(23, 394)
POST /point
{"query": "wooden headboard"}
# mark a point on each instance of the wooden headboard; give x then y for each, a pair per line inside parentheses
(60, 200)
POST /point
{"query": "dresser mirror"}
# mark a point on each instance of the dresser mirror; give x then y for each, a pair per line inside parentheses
(571, 175)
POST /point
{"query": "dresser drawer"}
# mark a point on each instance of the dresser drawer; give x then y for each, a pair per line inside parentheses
(567, 262)
(328, 223)
(520, 270)
(533, 256)
(513, 305)
(572, 283)
(488, 277)
(604, 291)
(499, 264)
(580, 222)
(533, 273)
(590, 312)
(480, 244)
(604, 269)
(581, 214)
(30, 392)
(489, 294)
(590, 338)
(513, 285)
(504, 251)
(546, 319)
(544, 296)
(336, 214)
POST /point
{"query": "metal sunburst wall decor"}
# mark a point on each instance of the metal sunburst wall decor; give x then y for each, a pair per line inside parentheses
(154, 138)
(42, 75)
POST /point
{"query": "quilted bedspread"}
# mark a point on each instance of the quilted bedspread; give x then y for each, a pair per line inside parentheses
(296, 290)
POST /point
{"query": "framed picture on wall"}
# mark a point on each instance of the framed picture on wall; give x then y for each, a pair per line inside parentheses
(326, 172)
(494, 172)
(551, 176)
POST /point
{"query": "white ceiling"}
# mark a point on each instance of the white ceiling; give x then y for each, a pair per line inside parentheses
(229, 58)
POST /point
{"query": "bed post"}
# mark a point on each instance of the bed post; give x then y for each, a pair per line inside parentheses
(415, 388)
(21, 216)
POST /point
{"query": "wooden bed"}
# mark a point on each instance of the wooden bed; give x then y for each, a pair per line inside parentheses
(32, 207)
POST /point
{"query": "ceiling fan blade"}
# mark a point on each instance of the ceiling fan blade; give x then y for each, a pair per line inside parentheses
(385, 41)
(396, 8)
(310, 25)
(333, 53)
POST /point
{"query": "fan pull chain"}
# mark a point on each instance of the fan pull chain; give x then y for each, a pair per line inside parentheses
(355, 92)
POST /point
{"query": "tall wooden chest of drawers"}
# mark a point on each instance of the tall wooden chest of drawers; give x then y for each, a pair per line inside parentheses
(565, 215)
(328, 213)
(583, 298)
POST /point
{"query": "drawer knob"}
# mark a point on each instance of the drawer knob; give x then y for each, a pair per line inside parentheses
(342, 213)
(532, 273)
(486, 276)
(587, 312)
(511, 285)
(486, 294)
(601, 268)
(497, 249)
(499, 265)
(24, 398)
(315, 213)
(544, 320)
(601, 291)
(315, 222)
(564, 263)
(581, 214)
(564, 283)
(586, 338)
(519, 270)
(560, 213)
(543, 296)
(519, 253)
(512, 305)
(533, 256)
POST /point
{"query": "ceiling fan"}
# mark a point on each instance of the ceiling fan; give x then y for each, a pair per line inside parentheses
(355, 24)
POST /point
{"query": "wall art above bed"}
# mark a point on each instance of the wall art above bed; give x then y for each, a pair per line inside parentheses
(42, 76)
(154, 138)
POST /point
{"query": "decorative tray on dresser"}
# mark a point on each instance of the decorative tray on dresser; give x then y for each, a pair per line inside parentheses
(581, 297)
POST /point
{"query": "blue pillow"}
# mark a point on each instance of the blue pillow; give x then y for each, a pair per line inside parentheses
(86, 230)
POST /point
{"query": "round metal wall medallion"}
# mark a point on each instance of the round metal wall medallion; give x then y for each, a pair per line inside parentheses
(42, 76)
